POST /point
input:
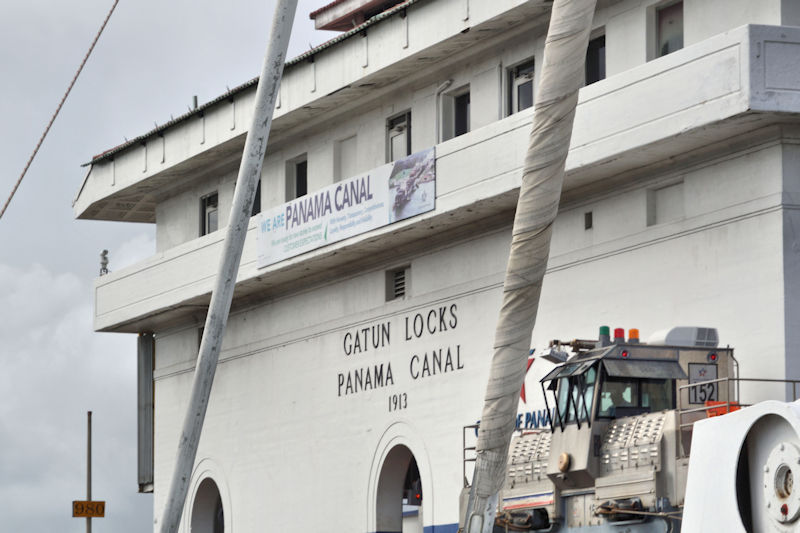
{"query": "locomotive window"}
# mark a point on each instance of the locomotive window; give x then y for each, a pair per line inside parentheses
(574, 394)
(582, 402)
(626, 397)
(563, 398)
(617, 394)
(658, 394)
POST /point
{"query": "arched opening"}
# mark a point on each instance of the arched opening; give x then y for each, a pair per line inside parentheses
(207, 513)
(399, 502)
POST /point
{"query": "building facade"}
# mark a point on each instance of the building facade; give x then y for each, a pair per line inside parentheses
(353, 360)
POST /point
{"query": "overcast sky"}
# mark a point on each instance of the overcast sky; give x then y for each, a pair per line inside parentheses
(152, 58)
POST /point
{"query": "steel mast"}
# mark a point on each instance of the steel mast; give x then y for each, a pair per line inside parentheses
(222, 295)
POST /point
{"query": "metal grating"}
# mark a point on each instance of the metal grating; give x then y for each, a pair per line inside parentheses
(633, 442)
(399, 283)
(529, 456)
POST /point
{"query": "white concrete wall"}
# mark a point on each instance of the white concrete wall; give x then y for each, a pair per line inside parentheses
(703, 19)
(278, 384)
(277, 425)
(178, 216)
(599, 127)
(627, 26)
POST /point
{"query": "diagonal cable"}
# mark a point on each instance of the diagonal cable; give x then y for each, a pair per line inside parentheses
(60, 105)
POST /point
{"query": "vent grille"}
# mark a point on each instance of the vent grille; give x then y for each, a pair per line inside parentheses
(397, 283)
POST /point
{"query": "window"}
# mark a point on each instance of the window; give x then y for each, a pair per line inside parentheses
(596, 60)
(582, 392)
(209, 214)
(345, 158)
(455, 113)
(296, 177)
(669, 29)
(520, 84)
(573, 385)
(587, 220)
(398, 137)
(461, 104)
(625, 396)
(397, 283)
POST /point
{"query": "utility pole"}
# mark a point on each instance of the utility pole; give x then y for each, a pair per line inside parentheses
(88, 508)
(221, 297)
(89, 467)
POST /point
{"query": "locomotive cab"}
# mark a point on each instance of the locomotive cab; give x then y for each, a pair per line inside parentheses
(620, 419)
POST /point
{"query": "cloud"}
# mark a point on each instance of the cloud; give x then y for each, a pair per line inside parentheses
(54, 370)
(54, 367)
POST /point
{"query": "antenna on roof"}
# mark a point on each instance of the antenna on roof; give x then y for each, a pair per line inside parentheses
(194, 101)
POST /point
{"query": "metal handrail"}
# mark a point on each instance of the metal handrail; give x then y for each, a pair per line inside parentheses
(464, 449)
(726, 405)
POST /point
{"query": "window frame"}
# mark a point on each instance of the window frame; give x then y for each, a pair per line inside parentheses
(636, 403)
(401, 121)
(515, 81)
(292, 184)
(601, 68)
(654, 37)
(449, 112)
(207, 208)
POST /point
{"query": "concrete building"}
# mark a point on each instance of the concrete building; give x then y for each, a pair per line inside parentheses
(359, 338)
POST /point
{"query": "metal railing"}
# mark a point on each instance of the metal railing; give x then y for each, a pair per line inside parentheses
(716, 408)
(465, 449)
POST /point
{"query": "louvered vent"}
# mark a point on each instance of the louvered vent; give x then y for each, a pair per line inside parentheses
(396, 283)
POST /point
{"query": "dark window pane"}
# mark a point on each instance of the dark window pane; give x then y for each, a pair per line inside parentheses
(301, 179)
(525, 95)
(596, 60)
(212, 224)
(208, 214)
(461, 104)
(520, 87)
(670, 28)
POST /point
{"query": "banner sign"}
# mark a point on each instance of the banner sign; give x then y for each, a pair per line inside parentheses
(389, 193)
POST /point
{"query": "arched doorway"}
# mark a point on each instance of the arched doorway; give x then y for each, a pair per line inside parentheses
(399, 502)
(208, 515)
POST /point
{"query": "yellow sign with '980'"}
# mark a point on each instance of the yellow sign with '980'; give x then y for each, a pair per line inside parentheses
(88, 509)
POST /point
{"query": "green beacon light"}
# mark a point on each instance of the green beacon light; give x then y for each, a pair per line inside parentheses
(604, 338)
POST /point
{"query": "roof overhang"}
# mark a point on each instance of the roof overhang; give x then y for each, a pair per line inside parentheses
(344, 15)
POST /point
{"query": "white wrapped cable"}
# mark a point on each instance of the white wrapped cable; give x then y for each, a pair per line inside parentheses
(562, 75)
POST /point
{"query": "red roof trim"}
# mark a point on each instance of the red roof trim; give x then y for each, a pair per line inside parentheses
(335, 3)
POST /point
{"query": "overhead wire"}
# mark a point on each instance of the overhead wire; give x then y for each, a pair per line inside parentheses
(58, 109)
